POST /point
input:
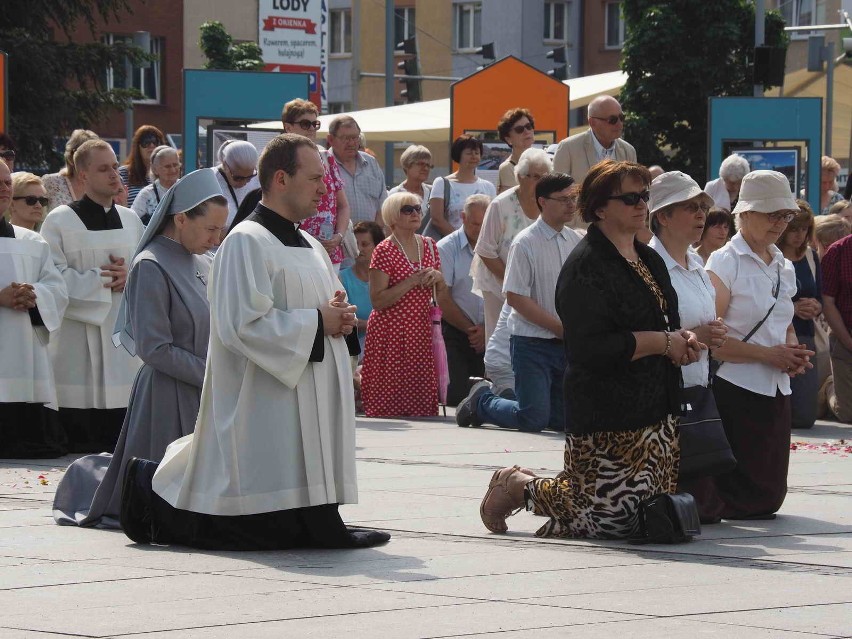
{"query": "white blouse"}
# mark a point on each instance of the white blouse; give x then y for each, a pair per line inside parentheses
(752, 283)
(696, 304)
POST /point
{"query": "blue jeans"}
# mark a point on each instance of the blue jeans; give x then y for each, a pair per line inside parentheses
(539, 366)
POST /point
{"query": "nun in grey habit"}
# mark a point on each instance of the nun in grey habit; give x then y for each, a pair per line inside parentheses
(165, 320)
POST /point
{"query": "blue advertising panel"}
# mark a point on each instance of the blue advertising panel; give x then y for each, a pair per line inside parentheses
(234, 95)
(733, 121)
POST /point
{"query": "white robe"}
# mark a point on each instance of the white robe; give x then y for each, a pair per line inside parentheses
(274, 431)
(90, 371)
(26, 374)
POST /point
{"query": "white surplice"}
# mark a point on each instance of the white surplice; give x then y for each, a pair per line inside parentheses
(274, 431)
(90, 371)
(26, 374)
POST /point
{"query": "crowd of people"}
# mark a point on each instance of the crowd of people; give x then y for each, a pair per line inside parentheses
(583, 294)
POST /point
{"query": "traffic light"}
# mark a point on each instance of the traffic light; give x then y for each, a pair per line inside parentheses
(410, 67)
(486, 51)
(559, 73)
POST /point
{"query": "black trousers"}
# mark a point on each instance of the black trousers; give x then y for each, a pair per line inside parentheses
(30, 431)
(92, 430)
(463, 363)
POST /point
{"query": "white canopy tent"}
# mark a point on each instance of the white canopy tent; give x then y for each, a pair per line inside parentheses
(425, 122)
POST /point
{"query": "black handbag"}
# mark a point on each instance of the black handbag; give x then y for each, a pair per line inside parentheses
(704, 447)
(667, 519)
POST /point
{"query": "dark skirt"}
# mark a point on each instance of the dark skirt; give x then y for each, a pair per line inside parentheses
(758, 429)
(30, 431)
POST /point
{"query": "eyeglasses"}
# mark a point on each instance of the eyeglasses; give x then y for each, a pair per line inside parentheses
(520, 128)
(149, 141)
(632, 199)
(410, 209)
(306, 125)
(563, 200)
(7, 155)
(32, 200)
(348, 138)
(781, 216)
(611, 120)
(694, 207)
(241, 178)
(423, 164)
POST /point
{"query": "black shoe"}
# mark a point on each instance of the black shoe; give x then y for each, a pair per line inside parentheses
(135, 516)
(366, 538)
(466, 410)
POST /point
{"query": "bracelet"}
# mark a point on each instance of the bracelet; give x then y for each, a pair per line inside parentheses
(668, 344)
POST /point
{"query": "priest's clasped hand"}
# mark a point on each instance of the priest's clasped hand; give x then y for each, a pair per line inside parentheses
(18, 297)
(116, 270)
(338, 316)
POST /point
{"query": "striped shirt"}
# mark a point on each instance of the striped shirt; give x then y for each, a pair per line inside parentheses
(365, 189)
(535, 259)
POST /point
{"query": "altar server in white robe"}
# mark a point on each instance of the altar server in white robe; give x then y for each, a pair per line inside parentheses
(91, 241)
(273, 453)
(33, 298)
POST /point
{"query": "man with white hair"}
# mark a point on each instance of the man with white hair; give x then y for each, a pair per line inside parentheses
(725, 190)
(602, 141)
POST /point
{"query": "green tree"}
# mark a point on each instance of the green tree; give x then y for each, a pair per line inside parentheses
(676, 55)
(218, 47)
(56, 85)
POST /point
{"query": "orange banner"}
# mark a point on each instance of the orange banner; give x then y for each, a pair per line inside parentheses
(299, 24)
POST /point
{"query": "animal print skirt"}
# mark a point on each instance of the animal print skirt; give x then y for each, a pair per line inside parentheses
(606, 475)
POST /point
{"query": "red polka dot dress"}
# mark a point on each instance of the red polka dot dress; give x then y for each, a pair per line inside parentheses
(398, 376)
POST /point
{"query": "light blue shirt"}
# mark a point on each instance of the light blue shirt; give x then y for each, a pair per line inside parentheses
(456, 257)
(358, 293)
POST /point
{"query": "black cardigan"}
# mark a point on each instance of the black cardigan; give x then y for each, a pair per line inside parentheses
(601, 301)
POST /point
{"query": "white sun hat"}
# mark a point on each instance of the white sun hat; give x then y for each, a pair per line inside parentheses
(765, 192)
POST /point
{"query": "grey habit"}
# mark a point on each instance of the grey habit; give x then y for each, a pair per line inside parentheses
(168, 321)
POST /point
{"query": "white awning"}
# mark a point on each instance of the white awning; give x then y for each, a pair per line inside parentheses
(426, 122)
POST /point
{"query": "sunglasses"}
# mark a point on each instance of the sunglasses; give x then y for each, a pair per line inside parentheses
(7, 155)
(694, 207)
(780, 216)
(520, 128)
(241, 178)
(32, 200)
(632, 199)
(151, 141)
(410, 209)
(307, 125)
(612, 120)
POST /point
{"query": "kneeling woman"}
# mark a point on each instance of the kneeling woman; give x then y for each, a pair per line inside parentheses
(624, 347)
(166, 321)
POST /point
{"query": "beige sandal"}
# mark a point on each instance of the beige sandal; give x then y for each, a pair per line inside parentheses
(497, 505)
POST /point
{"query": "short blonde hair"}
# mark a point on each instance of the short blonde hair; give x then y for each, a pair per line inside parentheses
(392, 206)
(830, 228)
(829, 164)
(414, 153)
(21, 180)
(477, 199)
(82, 156)
(838, 207)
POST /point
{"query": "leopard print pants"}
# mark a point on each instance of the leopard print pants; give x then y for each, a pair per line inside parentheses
(606, 475)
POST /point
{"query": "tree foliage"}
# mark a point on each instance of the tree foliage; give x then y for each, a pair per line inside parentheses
(676, 55)
(218, 47)
(56, 85)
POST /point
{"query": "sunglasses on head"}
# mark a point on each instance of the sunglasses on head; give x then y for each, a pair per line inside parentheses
(307, 125)
(410, 209)
(32, 200)
(632, 199)
(520, 128)
(612, 120)
(7, 155)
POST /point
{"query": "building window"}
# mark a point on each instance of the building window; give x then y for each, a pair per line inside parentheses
(146, 81)
(801, 13)
(340, 32)
(556, 16)
(339, 107)
(614, 26)
(468, 25)
(403, 24)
